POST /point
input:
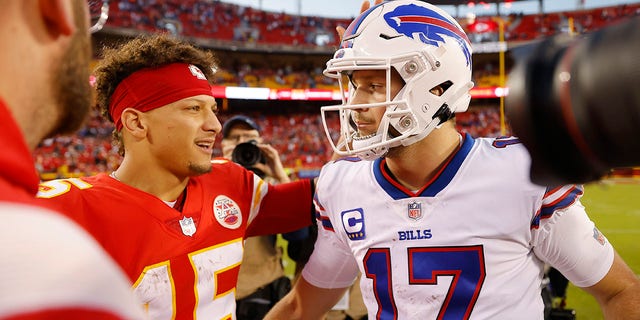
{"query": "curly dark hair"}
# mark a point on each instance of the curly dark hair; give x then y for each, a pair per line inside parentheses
(144, 52)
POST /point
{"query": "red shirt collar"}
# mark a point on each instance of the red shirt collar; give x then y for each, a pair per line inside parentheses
(16, 162)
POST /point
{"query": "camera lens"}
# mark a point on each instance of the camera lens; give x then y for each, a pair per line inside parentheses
(576, 107)
(247, 154)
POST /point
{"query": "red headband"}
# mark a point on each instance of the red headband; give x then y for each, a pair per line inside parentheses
(152, 88)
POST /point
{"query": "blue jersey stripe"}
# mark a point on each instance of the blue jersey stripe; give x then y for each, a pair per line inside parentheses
(324, 222)
(566, 200)
(547, 210)
(442, 179)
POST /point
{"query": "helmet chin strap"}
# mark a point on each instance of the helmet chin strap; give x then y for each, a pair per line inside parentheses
(435, 123)
(443, 114)
(371, 153)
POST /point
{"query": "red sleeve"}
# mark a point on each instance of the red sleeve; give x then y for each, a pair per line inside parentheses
(286, 207)
(67, 314)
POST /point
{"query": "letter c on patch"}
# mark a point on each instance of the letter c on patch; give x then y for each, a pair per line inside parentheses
(353, 223)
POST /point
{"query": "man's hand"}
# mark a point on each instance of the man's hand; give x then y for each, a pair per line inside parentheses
(365, 6)
(273, 167)
(227, 150)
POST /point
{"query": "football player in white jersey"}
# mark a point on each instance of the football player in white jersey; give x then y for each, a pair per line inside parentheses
(441, 225)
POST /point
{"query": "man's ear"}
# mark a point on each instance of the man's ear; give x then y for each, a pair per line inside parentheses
(58, 17)
(132, 121)
(437, 90)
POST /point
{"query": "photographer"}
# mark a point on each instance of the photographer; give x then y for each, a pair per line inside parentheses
(261, 280)
(244, 131)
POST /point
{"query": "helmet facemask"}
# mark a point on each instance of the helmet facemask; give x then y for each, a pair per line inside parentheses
(415, 111)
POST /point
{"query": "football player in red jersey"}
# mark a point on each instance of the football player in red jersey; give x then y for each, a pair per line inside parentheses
(49, 267)
(171, 216)
(441, 225)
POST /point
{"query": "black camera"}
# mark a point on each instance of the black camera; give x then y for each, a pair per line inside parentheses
(247, 154)
(575, 104)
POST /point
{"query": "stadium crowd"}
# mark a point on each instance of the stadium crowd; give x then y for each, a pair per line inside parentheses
(246, 75)
(299, 138)
(195, 18)
(239, 24)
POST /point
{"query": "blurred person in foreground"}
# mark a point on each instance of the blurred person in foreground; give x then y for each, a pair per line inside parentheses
(49, 267)
(441, 225)
(171, 216)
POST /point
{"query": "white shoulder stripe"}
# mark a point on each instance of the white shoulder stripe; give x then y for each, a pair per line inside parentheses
(555, 194)
(260, 190)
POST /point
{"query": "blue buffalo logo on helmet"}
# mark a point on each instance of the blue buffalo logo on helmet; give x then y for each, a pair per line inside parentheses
(428, 26)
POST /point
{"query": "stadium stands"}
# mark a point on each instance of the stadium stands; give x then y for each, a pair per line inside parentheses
(224, 21)
(297, 134)
(533, 26)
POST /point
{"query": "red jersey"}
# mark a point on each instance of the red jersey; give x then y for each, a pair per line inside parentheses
(51, 268)
(184, 264)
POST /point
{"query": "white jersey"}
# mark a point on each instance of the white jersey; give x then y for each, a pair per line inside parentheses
(471, 244)
(52, 269)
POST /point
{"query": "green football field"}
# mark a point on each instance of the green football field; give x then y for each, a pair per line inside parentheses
(615, 208)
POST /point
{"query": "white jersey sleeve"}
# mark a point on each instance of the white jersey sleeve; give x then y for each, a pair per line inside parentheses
(49, 263)
(569, 241)
(336, 270)
(339, 269)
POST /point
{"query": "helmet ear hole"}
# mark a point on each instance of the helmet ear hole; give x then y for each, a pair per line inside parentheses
(441, 88)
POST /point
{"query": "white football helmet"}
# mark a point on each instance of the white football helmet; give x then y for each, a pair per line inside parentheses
(427, 48)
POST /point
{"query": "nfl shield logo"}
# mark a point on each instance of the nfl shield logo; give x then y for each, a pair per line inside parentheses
(598, 236)
(414, 210)
(188, 227)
